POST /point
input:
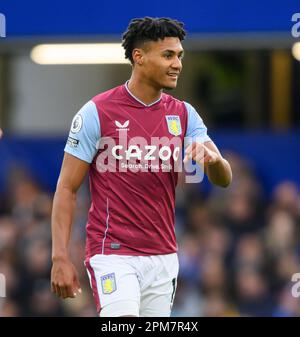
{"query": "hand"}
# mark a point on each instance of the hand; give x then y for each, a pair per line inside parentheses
(201, 154)
(64, 279)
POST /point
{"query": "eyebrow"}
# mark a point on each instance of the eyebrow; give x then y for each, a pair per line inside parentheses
(181, 52)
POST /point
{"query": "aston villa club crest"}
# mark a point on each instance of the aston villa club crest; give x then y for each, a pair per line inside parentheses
(108, 283)
(174, 125)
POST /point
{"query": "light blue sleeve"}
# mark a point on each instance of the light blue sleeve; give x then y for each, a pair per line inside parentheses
(85, 133)
(196, 129)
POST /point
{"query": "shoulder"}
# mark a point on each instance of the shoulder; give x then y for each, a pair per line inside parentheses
(86, 118)
(114, 93)
(192, 112)
(87, 113)
(169, 100)
(182, 107)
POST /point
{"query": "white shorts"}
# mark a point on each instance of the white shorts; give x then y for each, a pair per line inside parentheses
(133, 285)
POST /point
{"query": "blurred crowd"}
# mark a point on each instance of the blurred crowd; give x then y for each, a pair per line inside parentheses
(238, 248)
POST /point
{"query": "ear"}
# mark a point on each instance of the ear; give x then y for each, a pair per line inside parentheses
(138, 56)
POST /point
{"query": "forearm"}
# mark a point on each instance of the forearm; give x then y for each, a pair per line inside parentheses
(219, 173)
(62, 219)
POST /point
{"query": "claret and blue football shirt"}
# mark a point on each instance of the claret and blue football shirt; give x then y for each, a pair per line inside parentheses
(132, 211)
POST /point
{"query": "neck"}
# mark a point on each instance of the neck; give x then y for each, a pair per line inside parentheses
(143, 90)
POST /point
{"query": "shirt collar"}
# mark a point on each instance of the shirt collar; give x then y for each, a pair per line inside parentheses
(146, 105)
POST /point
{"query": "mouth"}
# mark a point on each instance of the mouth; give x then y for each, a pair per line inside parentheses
(173, 75)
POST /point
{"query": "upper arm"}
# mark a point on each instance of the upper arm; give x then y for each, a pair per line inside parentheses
(73, 172)
(81, 147)
(85, 133)
(196, 129)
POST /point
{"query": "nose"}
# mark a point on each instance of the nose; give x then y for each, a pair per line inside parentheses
(177, 64)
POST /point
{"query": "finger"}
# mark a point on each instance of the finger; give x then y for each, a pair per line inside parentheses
(58, 291)
(76, 284)
(193, 150)
(53, 287)
(189, 156)
(200, 148)
(211, 158)
(189, 147)
(64, 292)
(199, 158)
(69, 292)
(186, 158)
(198, 151)
(207, 159)
(186, 153)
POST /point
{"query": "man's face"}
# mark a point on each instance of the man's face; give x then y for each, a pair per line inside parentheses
(162, 62)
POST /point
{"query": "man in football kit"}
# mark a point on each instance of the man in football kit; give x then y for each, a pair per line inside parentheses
(131, 250)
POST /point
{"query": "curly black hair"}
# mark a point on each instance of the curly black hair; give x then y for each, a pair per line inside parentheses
(146, 29)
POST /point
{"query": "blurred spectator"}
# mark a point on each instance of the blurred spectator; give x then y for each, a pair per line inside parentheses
(237, 250)
(286, 197)
(213, 275)
(281, 232)
(216, 305)
(287, 306)
(253, 296)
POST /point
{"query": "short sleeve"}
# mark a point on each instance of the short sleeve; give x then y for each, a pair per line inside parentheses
(196, 129)
(85, 133)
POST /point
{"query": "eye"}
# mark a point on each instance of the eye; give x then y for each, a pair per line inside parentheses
(168, 56)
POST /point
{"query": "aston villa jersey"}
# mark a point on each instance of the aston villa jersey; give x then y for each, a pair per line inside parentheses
(134, 151)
